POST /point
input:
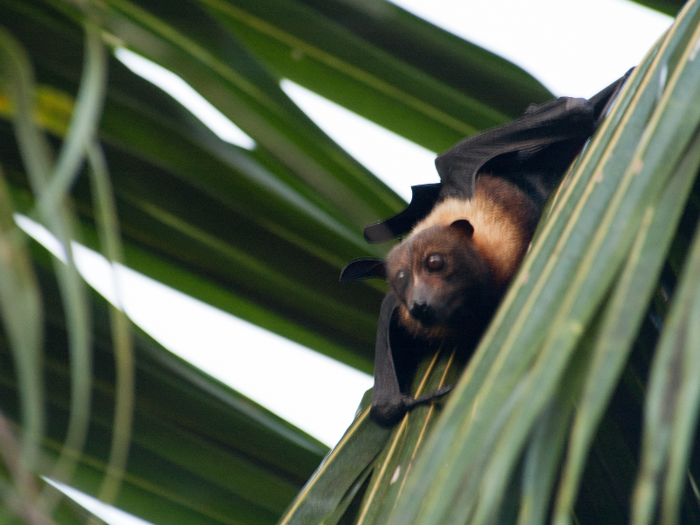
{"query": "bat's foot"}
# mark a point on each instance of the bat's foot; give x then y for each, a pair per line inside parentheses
(410, 402)
(388, 414)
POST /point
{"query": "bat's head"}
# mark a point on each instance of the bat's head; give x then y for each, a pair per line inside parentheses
(441, 279)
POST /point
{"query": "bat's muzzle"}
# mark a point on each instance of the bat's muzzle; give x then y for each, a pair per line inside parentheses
(422, 312)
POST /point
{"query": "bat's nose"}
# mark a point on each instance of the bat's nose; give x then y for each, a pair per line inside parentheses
(423, 312)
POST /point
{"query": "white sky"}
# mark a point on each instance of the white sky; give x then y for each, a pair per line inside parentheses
(187, 96)
(574, 47)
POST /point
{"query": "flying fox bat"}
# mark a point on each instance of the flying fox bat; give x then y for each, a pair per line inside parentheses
(468, 236)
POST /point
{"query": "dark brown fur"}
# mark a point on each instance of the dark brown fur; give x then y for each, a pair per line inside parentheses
(454, 267)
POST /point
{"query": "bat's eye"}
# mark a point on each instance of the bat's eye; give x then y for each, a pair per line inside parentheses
(435, 262)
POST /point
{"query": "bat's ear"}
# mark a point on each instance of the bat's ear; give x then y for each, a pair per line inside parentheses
(363, 269)
(463, 226)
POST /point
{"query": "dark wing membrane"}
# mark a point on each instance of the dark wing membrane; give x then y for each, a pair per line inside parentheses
(555, 122)
(532, 151)
(422, 201)
(387, 400)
